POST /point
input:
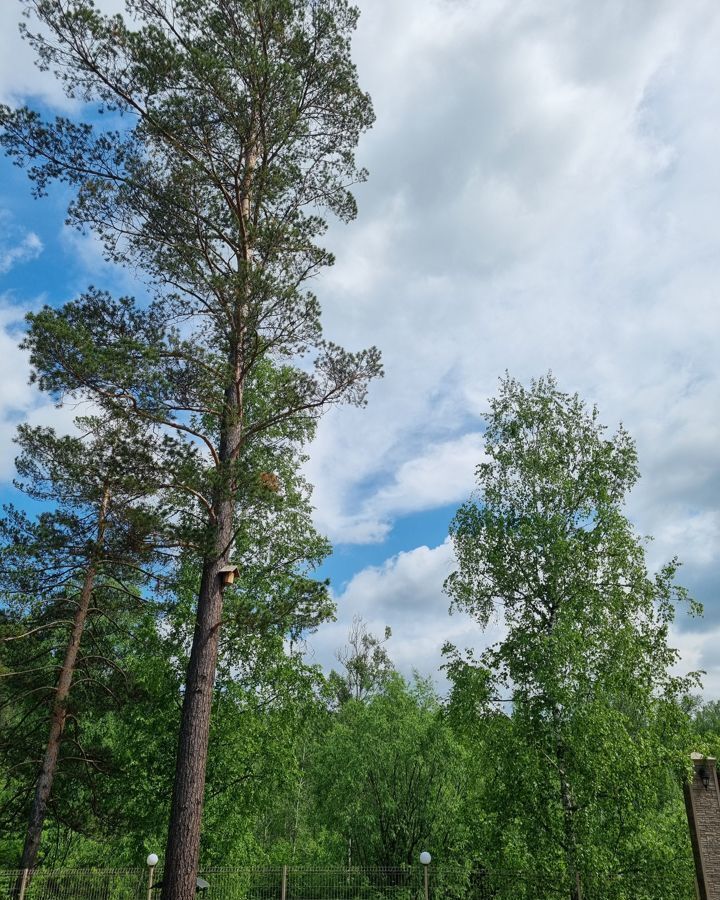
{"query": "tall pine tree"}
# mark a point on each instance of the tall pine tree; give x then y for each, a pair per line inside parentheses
(232, 129)
(88, 556)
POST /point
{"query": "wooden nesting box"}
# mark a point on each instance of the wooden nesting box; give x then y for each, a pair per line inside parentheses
(228, 573)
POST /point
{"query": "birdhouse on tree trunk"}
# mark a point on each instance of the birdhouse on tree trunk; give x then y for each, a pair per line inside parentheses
(228, 574)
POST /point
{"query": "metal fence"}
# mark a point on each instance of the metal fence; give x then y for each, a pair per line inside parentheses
(74, 884)
(294, 883)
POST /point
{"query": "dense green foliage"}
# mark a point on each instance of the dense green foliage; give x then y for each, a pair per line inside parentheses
(296, 778)
(557, 759)
(292, 777)
(584, 663)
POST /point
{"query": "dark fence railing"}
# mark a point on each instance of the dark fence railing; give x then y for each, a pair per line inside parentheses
(295, 883)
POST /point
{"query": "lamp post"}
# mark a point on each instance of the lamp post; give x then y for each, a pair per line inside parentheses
(152, 861)
(426, 859)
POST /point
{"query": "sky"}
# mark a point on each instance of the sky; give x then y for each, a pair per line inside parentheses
(543, 195)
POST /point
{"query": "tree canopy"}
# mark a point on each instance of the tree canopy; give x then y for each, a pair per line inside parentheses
(231, 129)
(584, 666)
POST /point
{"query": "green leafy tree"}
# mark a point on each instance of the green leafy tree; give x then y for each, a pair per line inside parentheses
(231, 128)
(389, 779)
(259, 714)
(272, 605)
(114, 767)
(366, 662)
(584, 665)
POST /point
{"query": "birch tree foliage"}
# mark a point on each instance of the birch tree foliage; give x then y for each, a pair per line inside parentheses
(583, 670)
(544, 547)
(389, 779)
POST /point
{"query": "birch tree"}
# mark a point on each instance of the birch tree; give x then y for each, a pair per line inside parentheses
(584, 666)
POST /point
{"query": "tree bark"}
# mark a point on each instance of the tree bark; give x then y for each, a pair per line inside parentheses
(43, 786)
(182, 854)
(568, 807)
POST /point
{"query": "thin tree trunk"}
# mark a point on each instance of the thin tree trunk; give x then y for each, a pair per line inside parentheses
(43, 786)
(568, 807)
(298, 797)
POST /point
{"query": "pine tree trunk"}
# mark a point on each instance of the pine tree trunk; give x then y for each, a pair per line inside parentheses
(182, 853)
(43, 786)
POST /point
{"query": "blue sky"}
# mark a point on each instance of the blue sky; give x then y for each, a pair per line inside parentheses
(543, 194)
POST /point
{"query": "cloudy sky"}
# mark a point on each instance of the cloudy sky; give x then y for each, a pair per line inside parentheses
(544, 194)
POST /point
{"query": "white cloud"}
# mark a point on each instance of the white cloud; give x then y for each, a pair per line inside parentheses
(406, 594)
(542, 195)
(699, 653)
(29, 248)
(15, 393)
(19, 401)
(442, 474)
(20, 78)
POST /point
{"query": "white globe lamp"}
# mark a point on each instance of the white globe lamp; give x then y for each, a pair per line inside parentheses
(425, 860)
(152, 861)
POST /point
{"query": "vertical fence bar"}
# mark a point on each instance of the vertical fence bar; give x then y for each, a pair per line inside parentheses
(23, 883)
(283, 884)
(151, 872)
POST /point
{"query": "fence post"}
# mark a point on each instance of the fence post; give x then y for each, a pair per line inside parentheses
(426, 859)
(283, 885)
(23, 883)
(152, 861)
